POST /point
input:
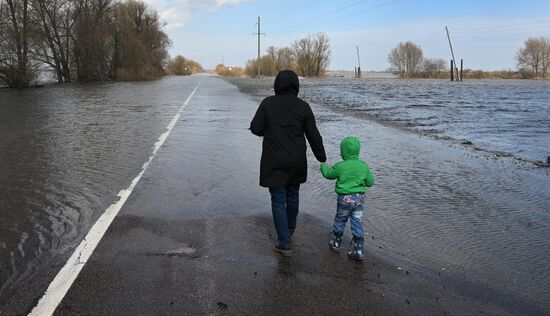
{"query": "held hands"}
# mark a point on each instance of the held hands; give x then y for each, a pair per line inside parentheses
(320, 165)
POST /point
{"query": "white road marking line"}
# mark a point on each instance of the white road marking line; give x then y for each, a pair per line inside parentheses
(66, 276)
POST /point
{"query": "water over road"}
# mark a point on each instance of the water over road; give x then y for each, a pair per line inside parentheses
(468, 233)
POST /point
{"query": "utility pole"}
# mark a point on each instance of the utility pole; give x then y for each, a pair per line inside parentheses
(461, 69)
(358, 63)
(259, 33)
(455, 69)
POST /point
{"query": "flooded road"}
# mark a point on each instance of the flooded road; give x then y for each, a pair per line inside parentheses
(470, 224)
(65, 152)
(483, 216)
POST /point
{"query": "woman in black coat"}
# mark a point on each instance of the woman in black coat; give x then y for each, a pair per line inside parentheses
(283, 120)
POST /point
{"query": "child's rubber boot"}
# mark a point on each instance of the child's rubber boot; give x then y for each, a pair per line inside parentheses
(336, 242)
(356, 253)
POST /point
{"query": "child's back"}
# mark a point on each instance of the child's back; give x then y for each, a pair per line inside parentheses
(352, 178)
(352, 174)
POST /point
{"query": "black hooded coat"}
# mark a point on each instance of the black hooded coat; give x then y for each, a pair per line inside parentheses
(283, 120)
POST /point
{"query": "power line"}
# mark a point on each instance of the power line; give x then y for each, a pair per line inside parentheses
(321, 16)
(291, 12)
(376, 47)
(504, 36)
(432, 35)
(508, 34)
(355, 13)
(502, 27)
(432, 41)
(510, 28)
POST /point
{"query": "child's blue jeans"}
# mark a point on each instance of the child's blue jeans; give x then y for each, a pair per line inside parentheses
(349, 206)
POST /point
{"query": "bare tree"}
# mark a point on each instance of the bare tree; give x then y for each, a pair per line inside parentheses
(285, 59)
(272, 55)
(309, 56)
(530, 56)
(321, 57)
(93, 31)
(312, 55)
(16, 65)
(535, 57)
(86, 40)
(55, 19)
(269, 63)
(406, 59)
(140, 45)
(267, 66)
(277, 59)
(4, 43)
(303, 51)
(434, 67)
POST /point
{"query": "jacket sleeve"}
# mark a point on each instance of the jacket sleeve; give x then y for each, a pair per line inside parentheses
(257, 126)
(329, 172)
(313, 136)
(369, 178)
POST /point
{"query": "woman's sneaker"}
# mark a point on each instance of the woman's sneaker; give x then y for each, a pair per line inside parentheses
(335, 243)
(283, 251)
(357, 252)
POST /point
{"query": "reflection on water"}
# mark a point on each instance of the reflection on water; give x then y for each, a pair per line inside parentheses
(65, 151)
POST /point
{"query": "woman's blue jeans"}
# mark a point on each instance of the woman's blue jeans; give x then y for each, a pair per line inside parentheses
(284, 206)
(349, 206)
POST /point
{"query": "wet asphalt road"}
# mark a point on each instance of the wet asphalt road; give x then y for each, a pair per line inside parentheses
(195, 237)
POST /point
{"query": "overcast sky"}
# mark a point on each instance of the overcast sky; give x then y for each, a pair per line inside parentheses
(485, 33)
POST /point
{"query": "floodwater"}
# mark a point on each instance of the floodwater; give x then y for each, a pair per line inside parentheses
(65, 152)
(507, 117)
(478, 215)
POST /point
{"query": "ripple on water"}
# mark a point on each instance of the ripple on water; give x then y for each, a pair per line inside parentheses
(446, 207)
(66, 150)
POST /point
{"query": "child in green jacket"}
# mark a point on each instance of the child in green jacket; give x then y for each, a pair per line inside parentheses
(352, 178)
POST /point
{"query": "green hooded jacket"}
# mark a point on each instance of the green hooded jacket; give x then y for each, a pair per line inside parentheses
(353, 175)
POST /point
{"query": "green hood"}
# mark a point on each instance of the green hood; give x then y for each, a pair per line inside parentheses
(352, 175)
(349, 148)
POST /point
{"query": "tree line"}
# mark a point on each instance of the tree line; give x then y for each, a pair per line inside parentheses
(308, 57)
(80, 40)
(181, 66)
(230, 71)
(533, 62)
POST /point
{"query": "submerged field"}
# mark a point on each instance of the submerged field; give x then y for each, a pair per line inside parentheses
(506, 117)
